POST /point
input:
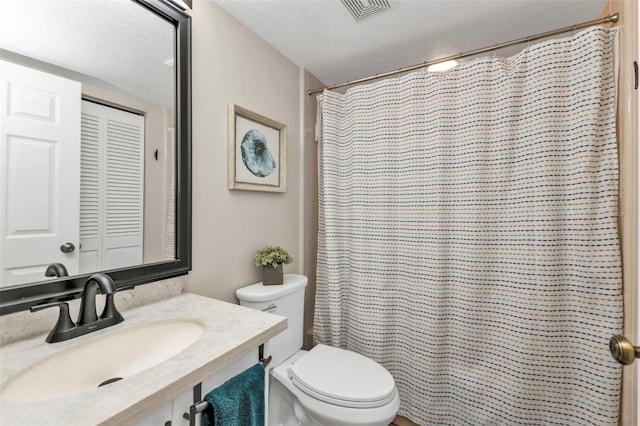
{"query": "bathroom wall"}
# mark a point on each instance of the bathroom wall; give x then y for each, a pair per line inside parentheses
(231, 65)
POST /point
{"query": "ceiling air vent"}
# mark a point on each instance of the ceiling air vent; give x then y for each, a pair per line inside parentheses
(361, 9)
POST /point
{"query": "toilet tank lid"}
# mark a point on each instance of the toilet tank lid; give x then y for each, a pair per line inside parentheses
(264, 293)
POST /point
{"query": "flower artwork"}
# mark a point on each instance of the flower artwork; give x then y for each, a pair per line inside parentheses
(257, 152)
(256, 155)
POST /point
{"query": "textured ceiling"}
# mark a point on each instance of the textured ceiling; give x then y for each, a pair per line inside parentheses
(112, 41)
(322, 36)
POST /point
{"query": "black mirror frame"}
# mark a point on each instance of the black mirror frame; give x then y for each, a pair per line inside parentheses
(22, 297)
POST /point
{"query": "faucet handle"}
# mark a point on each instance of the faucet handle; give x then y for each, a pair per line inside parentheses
(64, 322)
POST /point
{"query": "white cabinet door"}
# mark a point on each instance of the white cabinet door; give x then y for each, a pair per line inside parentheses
(158, 417)
(181, 405)
(39, 172)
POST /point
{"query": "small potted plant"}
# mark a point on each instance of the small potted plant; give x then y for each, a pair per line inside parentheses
(271, 259)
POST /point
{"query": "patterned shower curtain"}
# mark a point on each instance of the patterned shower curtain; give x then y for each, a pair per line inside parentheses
(468, 235)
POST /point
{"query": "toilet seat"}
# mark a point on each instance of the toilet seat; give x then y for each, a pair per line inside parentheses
(343, 378)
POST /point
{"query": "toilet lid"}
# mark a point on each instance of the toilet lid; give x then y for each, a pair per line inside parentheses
(342, 377)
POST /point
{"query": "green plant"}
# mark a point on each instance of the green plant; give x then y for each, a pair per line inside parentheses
(272, 256)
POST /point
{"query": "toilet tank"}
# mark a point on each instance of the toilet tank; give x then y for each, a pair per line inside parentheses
(286, 300)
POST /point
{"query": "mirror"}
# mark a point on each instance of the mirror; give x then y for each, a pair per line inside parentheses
(95, 145)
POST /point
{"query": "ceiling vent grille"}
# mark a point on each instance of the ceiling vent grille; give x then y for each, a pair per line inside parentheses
(361, 9)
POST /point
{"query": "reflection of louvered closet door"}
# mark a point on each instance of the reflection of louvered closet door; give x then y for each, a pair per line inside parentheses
(111, 188)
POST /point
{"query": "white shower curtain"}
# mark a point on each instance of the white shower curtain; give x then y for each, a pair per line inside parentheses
(468, 235)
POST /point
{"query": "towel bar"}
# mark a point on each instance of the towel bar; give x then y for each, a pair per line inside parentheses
(264, 361)
(200, 406)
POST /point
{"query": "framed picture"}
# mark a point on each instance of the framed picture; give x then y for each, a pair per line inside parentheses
(257, 152)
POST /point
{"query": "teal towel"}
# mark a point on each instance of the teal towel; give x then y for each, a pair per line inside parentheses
(238, 402)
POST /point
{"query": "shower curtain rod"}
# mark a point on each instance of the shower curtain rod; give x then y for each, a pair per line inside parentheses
(608, 19)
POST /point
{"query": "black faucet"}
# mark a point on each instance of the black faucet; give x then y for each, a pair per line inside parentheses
(88, 320)
(88, 312)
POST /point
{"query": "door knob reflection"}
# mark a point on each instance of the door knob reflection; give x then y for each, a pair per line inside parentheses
(56, 270)
(67, 248)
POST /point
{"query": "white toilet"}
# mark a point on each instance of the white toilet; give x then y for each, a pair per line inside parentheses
(324, 386)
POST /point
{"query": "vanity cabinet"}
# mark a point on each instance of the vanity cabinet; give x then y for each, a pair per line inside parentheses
(174, 410)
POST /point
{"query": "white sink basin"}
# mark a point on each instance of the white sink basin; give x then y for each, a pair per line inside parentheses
(109, 358)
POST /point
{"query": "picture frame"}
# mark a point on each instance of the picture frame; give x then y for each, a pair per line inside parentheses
(257, 152)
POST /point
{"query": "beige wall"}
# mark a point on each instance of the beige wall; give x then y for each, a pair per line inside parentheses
(231, 65)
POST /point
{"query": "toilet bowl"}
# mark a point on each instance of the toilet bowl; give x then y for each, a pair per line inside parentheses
(327, 396)
(324, 386)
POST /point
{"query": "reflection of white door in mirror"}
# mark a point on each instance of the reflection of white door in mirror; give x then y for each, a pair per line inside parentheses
(111, 188)
(40, 163)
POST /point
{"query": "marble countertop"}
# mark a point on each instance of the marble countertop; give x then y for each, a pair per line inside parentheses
(230, 331)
